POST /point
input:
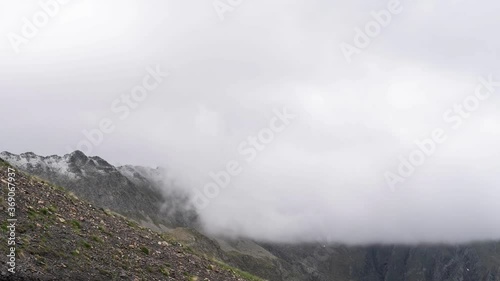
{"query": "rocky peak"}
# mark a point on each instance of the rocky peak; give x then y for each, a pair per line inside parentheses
(100, 162)
(131, 190)
(29, 155)
(77, 157)
(5, 153)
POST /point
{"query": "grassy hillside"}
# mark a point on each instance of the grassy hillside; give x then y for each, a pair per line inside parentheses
(60, 237)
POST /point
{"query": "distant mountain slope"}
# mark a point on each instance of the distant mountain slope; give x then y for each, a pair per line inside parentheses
(60, 237)
(131, 191)
(471, 262)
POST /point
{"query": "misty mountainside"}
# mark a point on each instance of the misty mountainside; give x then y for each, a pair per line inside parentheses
(473, 262)
(61, 237)
(135, 192)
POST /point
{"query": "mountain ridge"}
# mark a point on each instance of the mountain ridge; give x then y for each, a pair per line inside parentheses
(124, 189)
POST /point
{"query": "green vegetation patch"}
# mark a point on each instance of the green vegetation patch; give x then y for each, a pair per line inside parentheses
(238, 272)
(145, 250)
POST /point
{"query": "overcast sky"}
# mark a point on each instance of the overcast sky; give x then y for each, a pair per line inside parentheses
(325, 175)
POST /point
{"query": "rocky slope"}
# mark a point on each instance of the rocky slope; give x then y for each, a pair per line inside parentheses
(61, 237)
